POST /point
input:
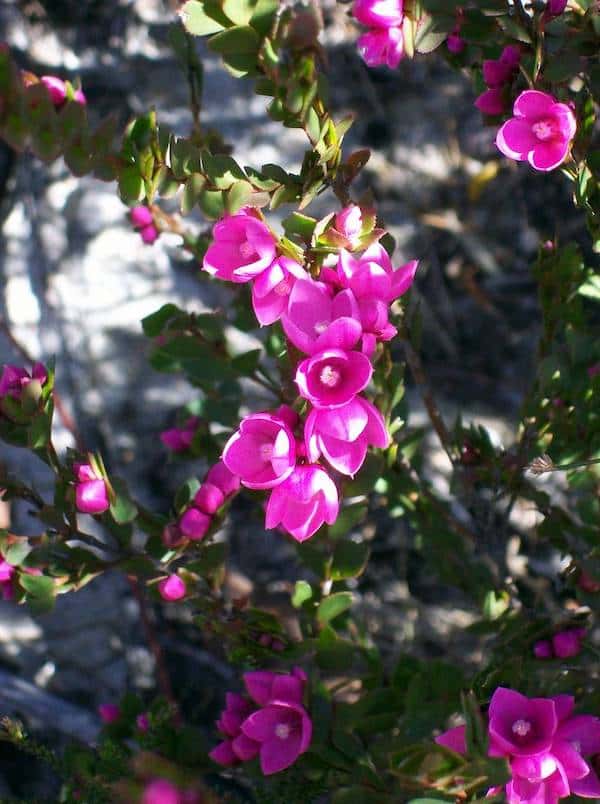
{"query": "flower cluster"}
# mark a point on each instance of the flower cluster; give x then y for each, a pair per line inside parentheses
(326, 320)
(193, 524)
(545, 744)
(143, 221)
(179, 439)
(383, 43)
(497, 74)
(540, 132)
(271, 723)
(20, 390)
(562, 645)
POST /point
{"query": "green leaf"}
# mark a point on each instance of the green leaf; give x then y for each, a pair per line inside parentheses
(123, 509)
(348, 518)
(332, 606)
(212, 204)
(302, 592)
(17, 552)
(131, 185)
(240, 11)
(301, 225)
(155, 323)
(247, 363)
(349, 560)
(240, 195)
(40, 586)
(238, 46)
(191, 192)
(196, 21)
(223, 171)
(211, 558)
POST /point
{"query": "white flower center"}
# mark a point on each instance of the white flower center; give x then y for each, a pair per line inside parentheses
(282, 730)
(543, 129)
(329, 376)
(576, 745)
(266, 452)
(247, 249)
(283, 288)
(321, 326)
(521, 727)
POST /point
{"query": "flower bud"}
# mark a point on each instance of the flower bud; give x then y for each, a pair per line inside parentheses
(194, 524)
(172, 588)
(543, 649)
(91, 492)
(109, 712)
(567, 643)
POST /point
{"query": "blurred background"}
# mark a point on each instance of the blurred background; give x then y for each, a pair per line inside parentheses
(75, 280)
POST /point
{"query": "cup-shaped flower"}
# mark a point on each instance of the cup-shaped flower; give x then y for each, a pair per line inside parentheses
(242, 248)
(178, 439)
(373, 276)
(194, 524)
(343, 435)
(567, 643)
(303, 502)
(172, 588)
(91, 492)
(331, 378)
(14, 379)
(57, 89)
(271, 289)
(314, 321)
(540, 132)
(381, 46)
(283, 730)
(379, 13)
(220, 476)
(262, 453)
(236, 747)
(519, 725)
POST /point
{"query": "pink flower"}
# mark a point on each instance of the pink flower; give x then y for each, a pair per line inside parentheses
(91, 493)
(344, 434)
(303, 502)
(540, 132)
(109, 712)
(15, 378)
(220, 476)
(454, 739)
(284, 732)
(172, 588)
(209, 498)
(161, 791)
(142, 722)
(237, 747)
(194, 524)
(242, 248)
(331, 378)
(555, 8)
(282, 728)
(381, 46)
(262, 453)
(518, 725)
(349, 223)
(491, 102)
(568, 643)
(379, 13)
(7, 579)
(142, 219)
(373, 276)
(455, 43)
(178, 439)
(58, 91)
(271, 289)
(315, 321)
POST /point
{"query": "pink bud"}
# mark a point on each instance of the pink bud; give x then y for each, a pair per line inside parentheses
(160, 791)
(219, 475)
(491, 102)
(455, 43)
(209, 498)
(109, 712)
(91, 493)
(568, 643)
(194, 524)
(142, 722)
(141, 216)
(543, 649)
(58, 91)
(149, 234)
(172, 536)
(172, 588)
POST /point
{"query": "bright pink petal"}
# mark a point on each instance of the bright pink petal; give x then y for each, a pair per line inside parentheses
(454, 739)
(548, 155)
(588, 787)
(223, 754)
(533, 104)
(245, 748)
(259, 684)
(583, 730)
(516, 139)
